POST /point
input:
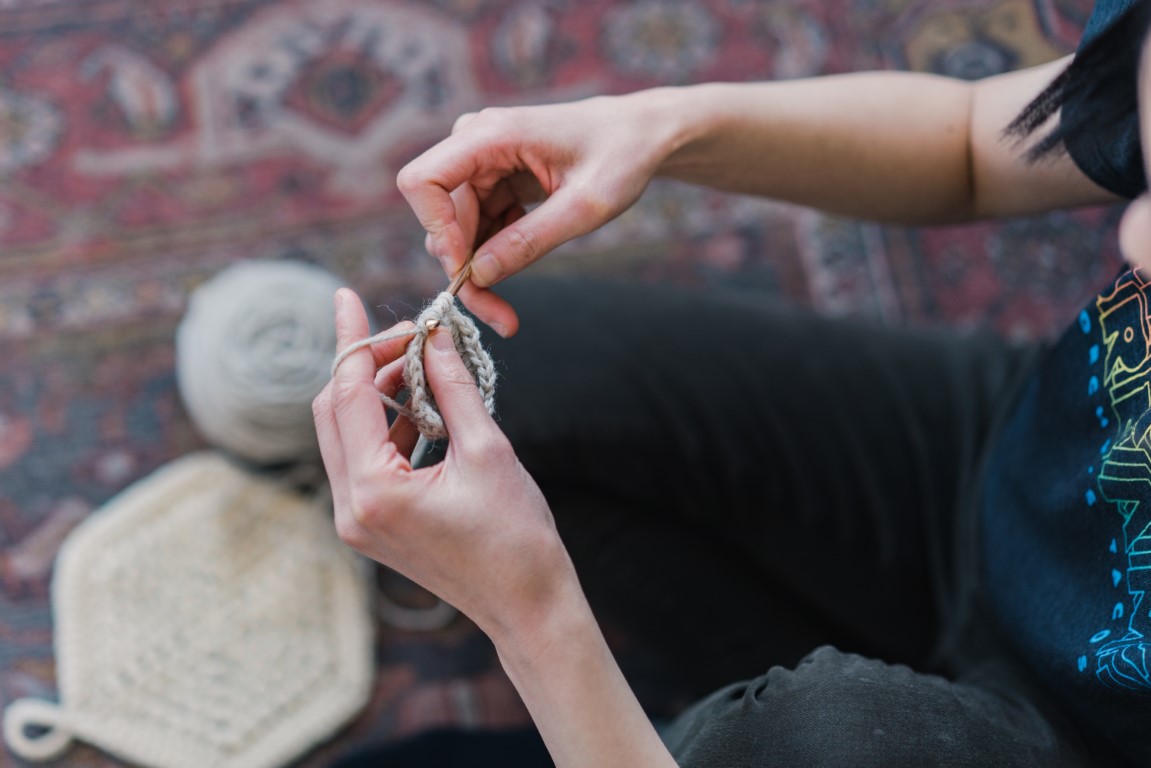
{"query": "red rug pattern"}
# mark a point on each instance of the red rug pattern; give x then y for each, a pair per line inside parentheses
(146, 145)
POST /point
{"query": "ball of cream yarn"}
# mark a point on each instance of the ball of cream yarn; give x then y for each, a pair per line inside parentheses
(252, 351)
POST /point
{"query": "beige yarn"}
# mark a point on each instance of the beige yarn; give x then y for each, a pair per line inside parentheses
(421, 405)
(204, 618)
(252, 351)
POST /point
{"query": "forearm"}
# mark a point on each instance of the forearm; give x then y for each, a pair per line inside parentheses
(575, 692)
(889, 146)
(850, 144)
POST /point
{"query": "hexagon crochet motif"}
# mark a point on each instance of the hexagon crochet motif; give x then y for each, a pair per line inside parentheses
(204, 617)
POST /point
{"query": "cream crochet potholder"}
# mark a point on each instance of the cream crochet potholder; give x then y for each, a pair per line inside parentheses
(204, 618)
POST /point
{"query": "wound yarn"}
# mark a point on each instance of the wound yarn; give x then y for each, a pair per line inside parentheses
(252, 351)
(420, 407)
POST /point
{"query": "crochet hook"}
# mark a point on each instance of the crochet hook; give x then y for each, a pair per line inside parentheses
(454, 287)
(461, 276)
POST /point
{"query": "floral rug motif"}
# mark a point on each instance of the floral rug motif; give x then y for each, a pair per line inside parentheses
(145, 146)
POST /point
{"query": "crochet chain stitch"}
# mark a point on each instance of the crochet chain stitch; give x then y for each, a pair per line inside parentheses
(421, 406)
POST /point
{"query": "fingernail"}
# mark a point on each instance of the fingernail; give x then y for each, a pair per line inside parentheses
(442, 340)
(499, 328)
(485, 270)
(340, 297)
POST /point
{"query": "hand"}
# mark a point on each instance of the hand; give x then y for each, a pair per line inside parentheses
(585, 162)
(474, 529)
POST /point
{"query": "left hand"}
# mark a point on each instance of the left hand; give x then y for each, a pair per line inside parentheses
(474, 529)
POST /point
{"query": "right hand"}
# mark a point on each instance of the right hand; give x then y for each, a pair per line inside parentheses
(586, 162)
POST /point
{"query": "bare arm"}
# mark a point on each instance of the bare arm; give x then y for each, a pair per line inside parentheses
(570, 682)
(476, 530)
(889, 146)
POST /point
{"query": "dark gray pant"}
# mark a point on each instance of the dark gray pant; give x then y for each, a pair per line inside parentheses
(835, 710)
(740, 485)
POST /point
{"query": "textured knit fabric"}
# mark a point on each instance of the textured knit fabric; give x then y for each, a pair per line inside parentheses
(204, 618)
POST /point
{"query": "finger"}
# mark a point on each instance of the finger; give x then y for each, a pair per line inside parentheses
(491, 309)
(389, 382)
(494, 204)
(485, 305)
(458, 398)
(359, 414)
(526, 188)
(390, 378)
(488, 307)
(464, 197)
(513, 214)
(1136, 222)
(492, 220)
(560, 218)
(332, 454)
(331, 449)
(387, 351)
(427, 183)
(405, 436)
(385, 346)
(518, 189)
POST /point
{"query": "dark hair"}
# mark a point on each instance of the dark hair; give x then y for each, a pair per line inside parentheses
(1097, 92)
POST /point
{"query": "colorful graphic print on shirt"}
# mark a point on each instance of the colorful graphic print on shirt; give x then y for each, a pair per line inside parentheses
(1120, 650)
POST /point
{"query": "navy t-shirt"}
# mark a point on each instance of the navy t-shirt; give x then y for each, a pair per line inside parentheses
(1066, 512)
(1067, 519)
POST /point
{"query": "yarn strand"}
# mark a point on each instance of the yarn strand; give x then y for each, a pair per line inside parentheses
(421, 407)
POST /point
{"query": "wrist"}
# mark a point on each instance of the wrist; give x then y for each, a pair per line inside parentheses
(566, 676)
(694, 117)
(530, 637)
(669, 120)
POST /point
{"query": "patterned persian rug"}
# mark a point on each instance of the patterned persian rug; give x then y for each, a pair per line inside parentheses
(146, 145)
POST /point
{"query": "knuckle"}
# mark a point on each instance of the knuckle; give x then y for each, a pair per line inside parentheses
(409, 179)
(462, 121)
(343, 394)
(489, 448)
(524, 244)
(349, 531)
(375, 500)
(590, 207)
(321, 404)
(369, 516)
(489, 115)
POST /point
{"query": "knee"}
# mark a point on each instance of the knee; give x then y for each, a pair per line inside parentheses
(841, 709)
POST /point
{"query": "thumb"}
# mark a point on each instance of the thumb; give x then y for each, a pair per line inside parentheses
(459, 400)
(563, 216)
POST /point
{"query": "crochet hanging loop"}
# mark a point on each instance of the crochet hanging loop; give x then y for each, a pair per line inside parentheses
(37, 730)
